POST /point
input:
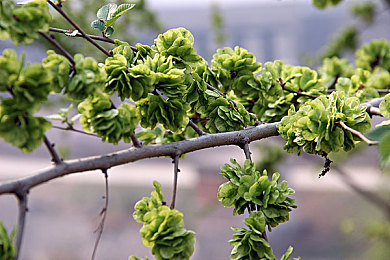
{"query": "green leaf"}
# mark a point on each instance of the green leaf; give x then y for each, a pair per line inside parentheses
(123, 8)
(384, 150)
(105, 12)
(378, 133)
(98, 25)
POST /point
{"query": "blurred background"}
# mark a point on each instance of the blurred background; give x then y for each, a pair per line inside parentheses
(338, 216)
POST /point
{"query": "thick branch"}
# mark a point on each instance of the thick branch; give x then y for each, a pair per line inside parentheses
(58, 9)
(58, 46)
(22, 199)
(135, 154)
(50, 147)
(175, 176)
(357, 133)
(103, 214)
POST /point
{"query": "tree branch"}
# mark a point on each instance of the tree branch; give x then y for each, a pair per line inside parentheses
(22, 199)
(132, 155)
(135, 141)
(103, 214)
(54, 155)
(58, 9)
(196, 128)
(73, 130)
(220, 93)
(374, 198)
(94, 37)
(245, 146)
(175, 176)
(52, 40)
(360, 135)
(298, 93)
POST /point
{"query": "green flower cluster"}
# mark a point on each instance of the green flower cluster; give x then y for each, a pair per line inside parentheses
(109, 123)
(177, 43)
(21, 23)
(375, 54)
(163, 228)
(275, 101)
(89, 78)
(248, 189)
(171, 114)
(226, 116)
(236, 69)
(316, 128)
(7, 248)
(58, 66)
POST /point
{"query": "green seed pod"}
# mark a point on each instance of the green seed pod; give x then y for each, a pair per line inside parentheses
(384, 106)
(163, 228)
(6, 17)
(250, 245)
(229, 65)
(27, 20)
(89, 78)
(375, 54)
(247, 189)
(10, 67)
(315, 126)
(111, 124)
(172, 114)
(274, 101)
(20, 129)
(58, 66)
(334, 68)
(226, 117)
(178, 44)
(32, 87)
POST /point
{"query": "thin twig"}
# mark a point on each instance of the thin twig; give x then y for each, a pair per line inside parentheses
(55, 158)
(103, 214)
(58, 9)
(22, 203)
(73, 130)
(374, 111)
(374, 198)
(298, 93)
(360, 135)
(52, 40)
(196, 128)
(247, 152)
(94, 37)
(175, 176)
(221, 93)
(136, 142)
